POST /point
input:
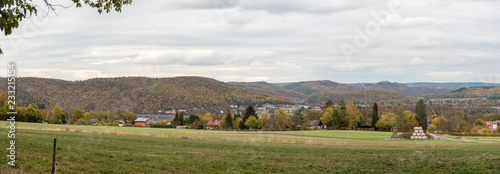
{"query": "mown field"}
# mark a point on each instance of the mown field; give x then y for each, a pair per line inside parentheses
(93, 149)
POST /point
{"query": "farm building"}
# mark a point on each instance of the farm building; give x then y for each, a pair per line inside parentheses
(492, 124)
(93, 121)
(141, 121)
(314, 123)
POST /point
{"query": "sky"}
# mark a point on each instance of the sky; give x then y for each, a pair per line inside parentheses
(260, 40)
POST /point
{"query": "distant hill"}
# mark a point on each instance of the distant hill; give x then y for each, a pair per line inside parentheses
(320, 87)
(267, 88)
(136, 94)
(402, 88)
(365, 97)
(490, 92)
(452, 85)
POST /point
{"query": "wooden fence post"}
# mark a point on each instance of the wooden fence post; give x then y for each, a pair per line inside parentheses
(54, 159)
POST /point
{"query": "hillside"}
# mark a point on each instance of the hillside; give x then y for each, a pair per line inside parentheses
(136, 94)
(365, 97)
(473, 92)
(266, 88)
(452, 85)
(320, 87)
(402, 88)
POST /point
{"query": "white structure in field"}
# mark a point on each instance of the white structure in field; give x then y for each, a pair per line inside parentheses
(418, 134)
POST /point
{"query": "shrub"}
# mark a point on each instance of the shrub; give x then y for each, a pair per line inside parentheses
(485, 131)
(81, 121)
(478, 122)
(431, 128)
(476, 129)
(405, 135)
(498, 129)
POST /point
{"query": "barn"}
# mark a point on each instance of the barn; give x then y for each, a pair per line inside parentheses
(141, 121)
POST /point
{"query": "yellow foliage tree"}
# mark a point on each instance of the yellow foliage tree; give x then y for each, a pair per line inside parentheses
(282, 119)
(326, 116)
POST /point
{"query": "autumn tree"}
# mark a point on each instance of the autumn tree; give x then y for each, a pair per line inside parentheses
(327, 116)
(312, 115)
(59, 115)
(77, 114)
(206, 118)
(282, 119)
(421, 114)
(387, 122)
(353, 115)
(337, 117)
(264, 119)
(374, 115)
(131, 116)
(252, 122)
(32, 114)
(479, 122)
(237, 122)
(440, 123)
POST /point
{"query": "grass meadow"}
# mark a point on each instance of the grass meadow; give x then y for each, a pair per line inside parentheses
(97, 149)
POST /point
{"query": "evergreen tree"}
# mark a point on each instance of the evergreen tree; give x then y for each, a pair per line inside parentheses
(342, 105)
(249, 111)
(181, 119)
(176, 118)
(298, 118)
(192, 119)
(328, 104)
(421, 115)
(228, 122)
(374, 115)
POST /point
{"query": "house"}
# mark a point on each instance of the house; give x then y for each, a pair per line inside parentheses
(141, 121)
(492, 124)
(93, 121)
(314, 123)
(213, 123)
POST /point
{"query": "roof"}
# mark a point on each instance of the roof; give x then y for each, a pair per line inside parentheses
(213, 123)
(488, 123)
(313, 123)
(141, 119)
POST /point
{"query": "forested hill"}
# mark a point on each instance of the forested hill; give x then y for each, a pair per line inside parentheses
(366, 97)
(490, 92)
(402, 88)
(136, 94)
(320, 87)
(267, 88)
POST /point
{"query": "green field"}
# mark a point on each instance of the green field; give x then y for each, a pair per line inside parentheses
(94, 149)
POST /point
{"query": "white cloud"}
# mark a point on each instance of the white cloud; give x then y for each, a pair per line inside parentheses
(424, 42)
(417, 61)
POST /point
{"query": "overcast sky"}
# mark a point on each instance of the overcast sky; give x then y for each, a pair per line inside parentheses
(262, 40)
